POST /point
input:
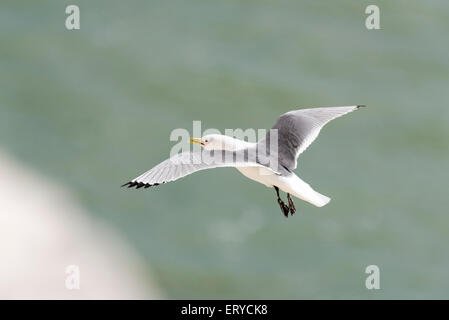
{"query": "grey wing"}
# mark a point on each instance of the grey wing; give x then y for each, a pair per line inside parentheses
(297, 129)
(183, 164)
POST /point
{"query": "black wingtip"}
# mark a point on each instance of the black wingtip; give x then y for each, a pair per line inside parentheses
(133, 184)
(139, 185)
(361, 106)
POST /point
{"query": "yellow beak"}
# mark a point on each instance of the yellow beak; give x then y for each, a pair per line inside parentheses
(196, 141)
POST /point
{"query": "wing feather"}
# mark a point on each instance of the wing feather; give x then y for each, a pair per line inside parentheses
(183, 164)
(297, 130)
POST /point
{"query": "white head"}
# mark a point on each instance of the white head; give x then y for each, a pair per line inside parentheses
(215, 142)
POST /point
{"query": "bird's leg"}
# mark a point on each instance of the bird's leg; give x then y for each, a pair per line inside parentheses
(285, 209)
(291, 205)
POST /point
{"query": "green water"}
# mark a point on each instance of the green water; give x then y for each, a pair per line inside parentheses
(95, 107)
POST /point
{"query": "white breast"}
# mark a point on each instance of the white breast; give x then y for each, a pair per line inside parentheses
(259, 174)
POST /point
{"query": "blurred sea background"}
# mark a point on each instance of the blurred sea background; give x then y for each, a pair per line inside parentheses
(91, 109)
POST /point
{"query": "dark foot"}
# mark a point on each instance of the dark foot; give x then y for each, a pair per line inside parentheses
(285, 209)
(291, 205)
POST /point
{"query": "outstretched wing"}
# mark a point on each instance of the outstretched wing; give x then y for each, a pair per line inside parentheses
(297, 129)
(183, 164)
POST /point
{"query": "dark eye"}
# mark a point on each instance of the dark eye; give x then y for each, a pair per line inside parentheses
(206, 140)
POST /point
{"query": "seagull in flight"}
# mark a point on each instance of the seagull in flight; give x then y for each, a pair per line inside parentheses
(295, 131)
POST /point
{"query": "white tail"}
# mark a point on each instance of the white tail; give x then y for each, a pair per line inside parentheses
(319, 200)
(302, 190)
